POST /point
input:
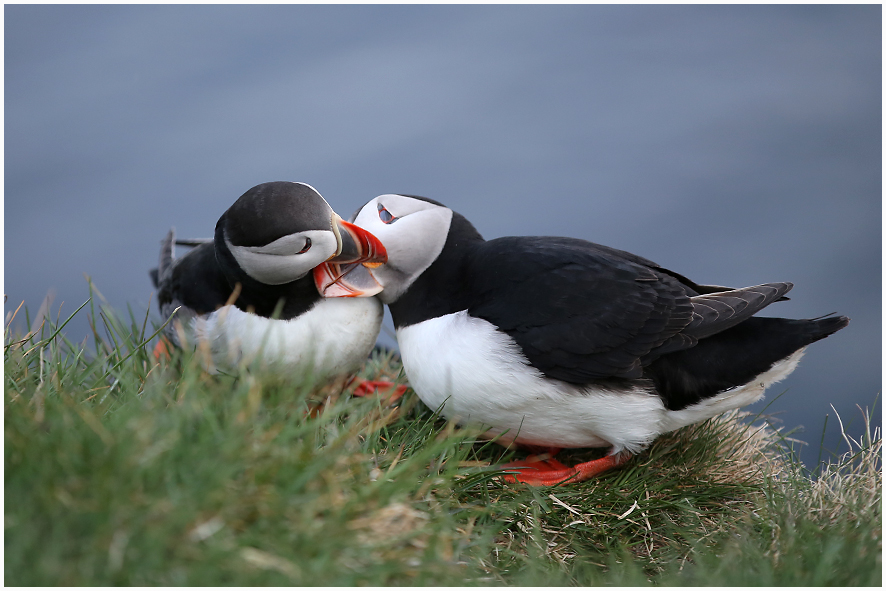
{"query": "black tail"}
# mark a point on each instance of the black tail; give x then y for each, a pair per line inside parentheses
(734, 357)
(167, 256)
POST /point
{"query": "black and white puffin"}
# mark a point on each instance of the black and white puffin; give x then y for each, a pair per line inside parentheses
(562, 343)
(251, 290)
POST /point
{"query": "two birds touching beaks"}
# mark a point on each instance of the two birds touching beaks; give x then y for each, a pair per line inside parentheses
(549, 342)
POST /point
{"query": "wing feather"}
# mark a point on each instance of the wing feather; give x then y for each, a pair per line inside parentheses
(582, 312)
(579, 311)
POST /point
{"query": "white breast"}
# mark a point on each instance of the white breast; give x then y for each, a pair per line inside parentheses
(332, 338)
(478, 374)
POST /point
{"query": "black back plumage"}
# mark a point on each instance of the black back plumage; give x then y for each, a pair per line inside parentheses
(579, 311)
(195, 281)
(588, 314)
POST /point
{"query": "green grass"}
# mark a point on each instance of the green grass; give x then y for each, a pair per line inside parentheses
(122, 470)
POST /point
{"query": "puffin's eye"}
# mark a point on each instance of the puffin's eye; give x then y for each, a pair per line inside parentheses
(307, 246)
(385, 215)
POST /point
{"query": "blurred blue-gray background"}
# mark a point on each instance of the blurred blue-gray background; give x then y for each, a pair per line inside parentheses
(733, 144)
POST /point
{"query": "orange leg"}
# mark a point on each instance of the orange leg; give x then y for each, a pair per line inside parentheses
(369, 387)
(546, 471)
(162, 349)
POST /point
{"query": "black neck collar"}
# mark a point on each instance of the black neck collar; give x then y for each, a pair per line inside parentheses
(441, 289)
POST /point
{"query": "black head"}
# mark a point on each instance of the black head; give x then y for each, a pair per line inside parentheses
(270, 211)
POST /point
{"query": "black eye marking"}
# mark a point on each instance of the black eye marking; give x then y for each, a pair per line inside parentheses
(307, 246)
(385, 215)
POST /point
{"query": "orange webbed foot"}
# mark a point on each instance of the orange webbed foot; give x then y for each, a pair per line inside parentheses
(550, 472)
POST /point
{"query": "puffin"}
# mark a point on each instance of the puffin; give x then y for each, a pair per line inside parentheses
(554, 342)
(250, 294)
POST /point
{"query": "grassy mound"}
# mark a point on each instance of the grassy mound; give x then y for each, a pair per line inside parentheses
(125, 470)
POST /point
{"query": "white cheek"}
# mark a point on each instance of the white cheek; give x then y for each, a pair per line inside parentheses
(270, 265)
(367, 218)
(413, 241)
(410, 249)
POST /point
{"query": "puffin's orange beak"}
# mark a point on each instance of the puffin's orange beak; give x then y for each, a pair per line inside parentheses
(346, 274)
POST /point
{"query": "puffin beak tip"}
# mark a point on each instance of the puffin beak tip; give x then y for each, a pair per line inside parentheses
(346, 274)
(351, 280)
(357, 245)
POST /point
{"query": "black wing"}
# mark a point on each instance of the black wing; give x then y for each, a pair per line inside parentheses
(194, 281)
(582, 311)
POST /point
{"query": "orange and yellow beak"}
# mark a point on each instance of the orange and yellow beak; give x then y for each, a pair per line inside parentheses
(347, 274)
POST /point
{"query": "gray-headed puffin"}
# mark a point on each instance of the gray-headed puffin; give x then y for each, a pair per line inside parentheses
(562, 343)
(251, 290)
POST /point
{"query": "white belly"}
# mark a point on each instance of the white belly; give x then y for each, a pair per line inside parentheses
(333, 338)
(478, 374)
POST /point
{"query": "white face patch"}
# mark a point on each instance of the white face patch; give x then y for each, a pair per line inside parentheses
(283, 261)
(413, 233)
